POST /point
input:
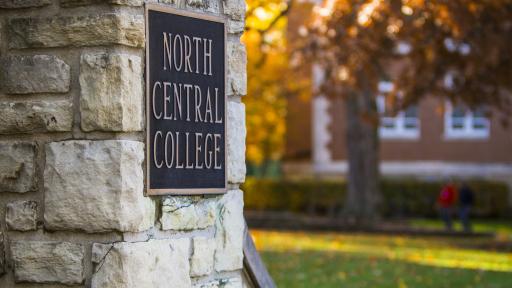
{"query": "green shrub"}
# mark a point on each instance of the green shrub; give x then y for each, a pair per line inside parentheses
(404, 197)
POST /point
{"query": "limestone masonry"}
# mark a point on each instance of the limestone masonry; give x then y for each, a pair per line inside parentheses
(72, 159)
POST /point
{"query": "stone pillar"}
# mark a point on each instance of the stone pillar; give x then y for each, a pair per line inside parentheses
(72, 206)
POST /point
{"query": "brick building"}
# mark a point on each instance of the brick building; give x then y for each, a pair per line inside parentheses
(432, 139)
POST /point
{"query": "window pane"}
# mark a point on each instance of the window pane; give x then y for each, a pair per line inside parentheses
(459, 111)
(458, 123)
(467, 123)
(411, 123)
(411, 111)
(479, 123)
(388, 123)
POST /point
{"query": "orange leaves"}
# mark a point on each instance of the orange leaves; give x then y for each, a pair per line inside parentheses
(368, 33)
(368, 11)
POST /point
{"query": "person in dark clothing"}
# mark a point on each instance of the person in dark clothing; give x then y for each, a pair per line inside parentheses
(466, 200)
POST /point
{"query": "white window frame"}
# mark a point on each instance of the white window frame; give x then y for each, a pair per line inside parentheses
(399, 129)
(468, 130)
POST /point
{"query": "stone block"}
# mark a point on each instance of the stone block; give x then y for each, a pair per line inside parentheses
(196, 3)
(23, 3)
(236, 142)
(213, 6)
(48, 262)
(17, 167)
(111, 92)
(35, 116)
(235, 282)
(89, 30)
(96, 186)
(229, 232)
(21, 215)
(155, 263)
(235, 26)
(74, 3)
(201, 262)
(170, 2)
(237, 73)
(235, 9)
(187, 213)
(2, 254)
(35, 74)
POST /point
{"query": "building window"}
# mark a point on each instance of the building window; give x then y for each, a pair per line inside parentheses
(403, 125)
(461, 122)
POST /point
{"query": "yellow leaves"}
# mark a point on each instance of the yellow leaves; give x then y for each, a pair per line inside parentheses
(429, 54)
(393, 28)
(414, 3)
(326, 9)
(254, 154)
(364, 17)
(343, 73)
(352, 31)
(408, 6)
(263, 15)
(267, 78)
(473, 7)
(273, 36)
(407, 10)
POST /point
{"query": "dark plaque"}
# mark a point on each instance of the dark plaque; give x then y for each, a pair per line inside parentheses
(185, 102)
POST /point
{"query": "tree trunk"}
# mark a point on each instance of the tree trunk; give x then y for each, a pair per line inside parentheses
(363, 197)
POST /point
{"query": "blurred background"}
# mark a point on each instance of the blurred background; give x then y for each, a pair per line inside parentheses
(379, 152)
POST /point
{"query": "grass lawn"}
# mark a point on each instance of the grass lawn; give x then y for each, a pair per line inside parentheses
(300, 259)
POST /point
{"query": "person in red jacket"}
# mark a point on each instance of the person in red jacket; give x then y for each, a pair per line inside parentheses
(446, 202)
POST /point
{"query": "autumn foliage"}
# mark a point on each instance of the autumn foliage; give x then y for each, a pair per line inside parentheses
(454, 49)
(458, 48)
(269, 80)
